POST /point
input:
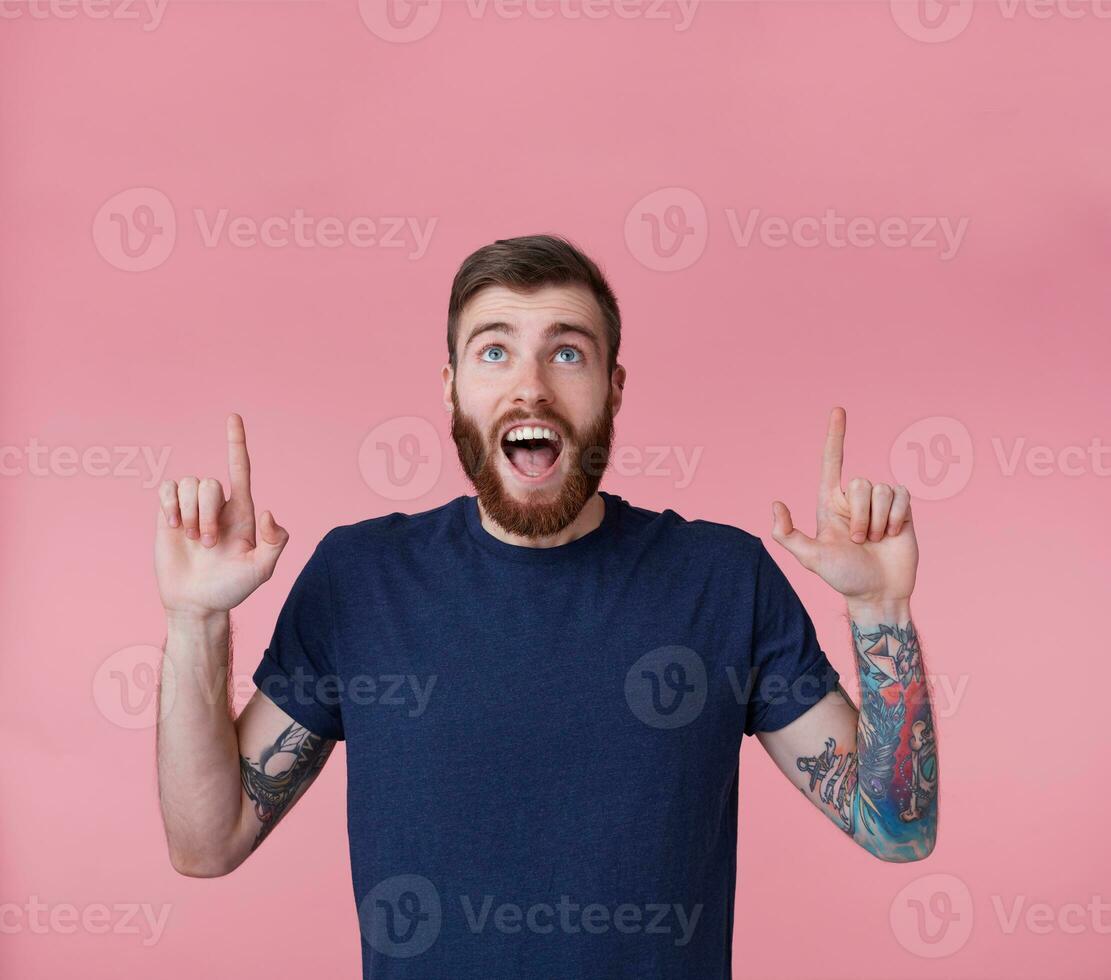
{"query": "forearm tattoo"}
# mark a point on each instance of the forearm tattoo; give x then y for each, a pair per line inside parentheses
(273, 792)
(885, 793)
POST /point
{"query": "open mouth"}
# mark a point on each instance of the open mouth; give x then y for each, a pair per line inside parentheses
(533, 451)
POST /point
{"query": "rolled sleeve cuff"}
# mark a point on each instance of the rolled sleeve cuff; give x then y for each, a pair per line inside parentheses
(273, 681)
(806, 690)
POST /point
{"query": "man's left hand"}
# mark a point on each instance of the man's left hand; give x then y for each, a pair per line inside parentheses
(865, 545)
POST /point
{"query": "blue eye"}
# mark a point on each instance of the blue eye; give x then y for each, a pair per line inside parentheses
(491, 347)
(575, 350)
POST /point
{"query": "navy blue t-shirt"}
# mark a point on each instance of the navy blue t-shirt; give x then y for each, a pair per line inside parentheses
(543, 743)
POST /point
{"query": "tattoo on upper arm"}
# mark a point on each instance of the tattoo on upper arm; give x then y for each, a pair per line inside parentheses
(273, 792)
(891, 779)
(834, 776)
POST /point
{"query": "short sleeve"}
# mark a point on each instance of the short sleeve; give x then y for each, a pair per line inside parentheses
(791, 672)
(298, 671)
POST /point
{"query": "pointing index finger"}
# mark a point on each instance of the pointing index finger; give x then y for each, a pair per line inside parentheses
(834, 453)
(239, 463)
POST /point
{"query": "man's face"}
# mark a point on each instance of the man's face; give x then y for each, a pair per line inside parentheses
(535, 359)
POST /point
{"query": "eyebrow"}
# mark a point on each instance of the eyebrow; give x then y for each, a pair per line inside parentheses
(551, 331)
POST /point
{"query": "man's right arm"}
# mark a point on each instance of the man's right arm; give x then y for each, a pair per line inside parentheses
(224, 783)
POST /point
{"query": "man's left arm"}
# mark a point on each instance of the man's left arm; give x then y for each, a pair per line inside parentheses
(874, 770)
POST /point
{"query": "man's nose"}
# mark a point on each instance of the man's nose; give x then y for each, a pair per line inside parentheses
(531, 386)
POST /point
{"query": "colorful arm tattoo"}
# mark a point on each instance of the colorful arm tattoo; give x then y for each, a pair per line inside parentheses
(885, 793)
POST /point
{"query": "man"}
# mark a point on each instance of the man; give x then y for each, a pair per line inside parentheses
(543, 688)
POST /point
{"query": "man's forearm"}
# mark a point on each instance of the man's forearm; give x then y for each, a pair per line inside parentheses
(199, 783)
(896, 798)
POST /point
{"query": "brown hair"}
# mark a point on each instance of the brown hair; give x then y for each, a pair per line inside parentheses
(526, 264)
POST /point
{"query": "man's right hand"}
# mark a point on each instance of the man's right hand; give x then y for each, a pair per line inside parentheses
(206, 556)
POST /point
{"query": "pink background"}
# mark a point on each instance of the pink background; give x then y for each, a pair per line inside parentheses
(491, 126)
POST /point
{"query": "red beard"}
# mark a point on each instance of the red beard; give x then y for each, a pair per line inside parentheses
(588, 455)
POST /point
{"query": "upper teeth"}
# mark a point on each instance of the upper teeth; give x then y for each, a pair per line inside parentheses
(531, 432)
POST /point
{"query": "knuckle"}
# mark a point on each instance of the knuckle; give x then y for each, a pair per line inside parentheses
(860, 483)
(188, 484)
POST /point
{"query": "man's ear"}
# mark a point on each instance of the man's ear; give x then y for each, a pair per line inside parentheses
(448, 376)
(617, 384)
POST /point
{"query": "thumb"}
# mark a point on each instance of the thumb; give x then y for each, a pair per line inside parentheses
(784, 531)
(272, 539)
